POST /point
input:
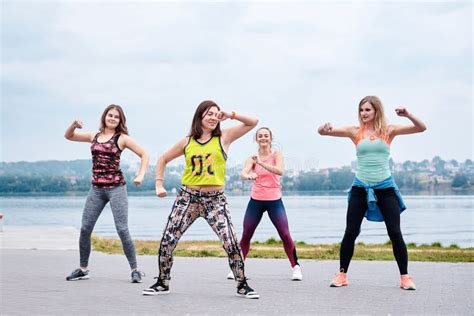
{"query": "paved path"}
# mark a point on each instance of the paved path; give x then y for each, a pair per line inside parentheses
(33, 282)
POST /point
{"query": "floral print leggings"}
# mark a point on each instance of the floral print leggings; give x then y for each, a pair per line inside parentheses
(188, 206)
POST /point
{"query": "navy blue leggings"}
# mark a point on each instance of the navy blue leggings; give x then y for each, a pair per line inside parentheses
(277, 214)
(388, 204)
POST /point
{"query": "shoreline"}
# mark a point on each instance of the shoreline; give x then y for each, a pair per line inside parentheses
(273, 249)
(286, 194)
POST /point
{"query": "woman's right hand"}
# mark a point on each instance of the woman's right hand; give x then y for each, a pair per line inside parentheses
(160, 190)
(77, 124)
(325, 129)
(252, 176)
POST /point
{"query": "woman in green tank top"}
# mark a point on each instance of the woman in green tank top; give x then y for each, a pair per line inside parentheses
(201, 195)
(374, 193)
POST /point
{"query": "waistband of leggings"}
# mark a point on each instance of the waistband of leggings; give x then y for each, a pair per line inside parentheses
(200, 193)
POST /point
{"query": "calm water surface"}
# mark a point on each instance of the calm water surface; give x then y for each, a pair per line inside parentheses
(312, 219)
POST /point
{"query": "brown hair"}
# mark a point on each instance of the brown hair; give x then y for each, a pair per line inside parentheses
(258, 130)
(380, 122)
(122, 126)
(196, 126)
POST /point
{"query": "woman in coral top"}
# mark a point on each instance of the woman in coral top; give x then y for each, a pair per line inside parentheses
(265, 169)
(374, 193)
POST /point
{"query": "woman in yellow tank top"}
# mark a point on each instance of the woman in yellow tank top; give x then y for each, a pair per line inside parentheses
(201, 195)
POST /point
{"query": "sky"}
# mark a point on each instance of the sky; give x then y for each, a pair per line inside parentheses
(294, 65)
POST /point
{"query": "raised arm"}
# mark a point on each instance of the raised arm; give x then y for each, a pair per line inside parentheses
(126, 141)
(169, 155)
(277, 168)
(71, 133)
(417, 127)
(346, 131)
(246, 173)
(229, 135)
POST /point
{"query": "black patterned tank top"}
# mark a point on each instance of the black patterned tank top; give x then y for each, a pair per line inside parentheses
(106, 171)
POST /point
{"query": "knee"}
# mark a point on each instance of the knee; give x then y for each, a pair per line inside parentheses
(231, 249)
(351, 234)
(123, 231)
(165, 249)
(86, 231)
(286, 237)
(246, 237)
(395, 235)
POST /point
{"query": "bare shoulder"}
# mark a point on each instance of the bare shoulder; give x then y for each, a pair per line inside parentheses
(124, 137)
(278, 153)
(183, 142)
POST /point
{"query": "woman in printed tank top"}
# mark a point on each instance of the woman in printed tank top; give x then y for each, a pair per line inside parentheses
(265, 169)
(374, 193)
(201, 195)
(108, 184)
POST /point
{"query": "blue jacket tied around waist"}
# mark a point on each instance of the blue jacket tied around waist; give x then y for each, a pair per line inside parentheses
(373, 211)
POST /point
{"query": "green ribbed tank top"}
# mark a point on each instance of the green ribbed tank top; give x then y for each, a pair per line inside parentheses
(372, 159)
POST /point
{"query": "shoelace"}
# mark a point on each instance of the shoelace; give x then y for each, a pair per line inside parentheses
(407, 280)
(159, 282)
(340, 278)
(244, 286)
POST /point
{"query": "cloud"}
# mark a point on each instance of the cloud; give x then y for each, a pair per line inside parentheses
(294, 65)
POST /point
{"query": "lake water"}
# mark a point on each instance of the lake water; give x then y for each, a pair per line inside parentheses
(312, 219)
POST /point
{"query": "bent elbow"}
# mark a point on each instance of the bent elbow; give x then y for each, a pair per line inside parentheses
(255, 122)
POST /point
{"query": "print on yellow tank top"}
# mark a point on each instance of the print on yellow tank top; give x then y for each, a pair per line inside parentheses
(205, 163)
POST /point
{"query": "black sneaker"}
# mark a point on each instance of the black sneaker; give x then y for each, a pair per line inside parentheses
(78, 274)
(245, 291)
(159, 288)
(137, 276)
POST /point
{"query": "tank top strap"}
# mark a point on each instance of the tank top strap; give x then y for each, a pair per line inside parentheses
(115, 139)
(95, 137)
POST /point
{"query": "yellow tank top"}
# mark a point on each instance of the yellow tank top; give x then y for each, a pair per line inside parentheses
(205, 163)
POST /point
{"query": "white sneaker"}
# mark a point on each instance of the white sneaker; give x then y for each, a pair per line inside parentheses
(297, 275)
(230, 276)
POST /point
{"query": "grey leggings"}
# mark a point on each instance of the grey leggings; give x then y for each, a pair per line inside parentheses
(95, 203)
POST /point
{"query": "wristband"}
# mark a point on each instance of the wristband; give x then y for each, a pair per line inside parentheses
(232, 117)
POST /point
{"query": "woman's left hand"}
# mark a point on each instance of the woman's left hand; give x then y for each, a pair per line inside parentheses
(255, 159)
(401, 111)
(138, 180)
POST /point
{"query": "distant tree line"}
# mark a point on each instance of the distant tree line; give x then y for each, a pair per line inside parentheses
(74, 176)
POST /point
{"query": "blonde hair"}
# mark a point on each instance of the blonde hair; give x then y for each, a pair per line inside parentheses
(380, 121)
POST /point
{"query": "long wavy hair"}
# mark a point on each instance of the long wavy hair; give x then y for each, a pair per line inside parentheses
(122, 126)
(196, 126)
(380, 121)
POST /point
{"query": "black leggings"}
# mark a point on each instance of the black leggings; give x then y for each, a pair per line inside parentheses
(388, 204)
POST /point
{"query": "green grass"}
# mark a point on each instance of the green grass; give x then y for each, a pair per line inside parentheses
(273, 248)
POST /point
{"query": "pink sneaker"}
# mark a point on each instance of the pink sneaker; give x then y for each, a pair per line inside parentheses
(407, 283)
(339, 280)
